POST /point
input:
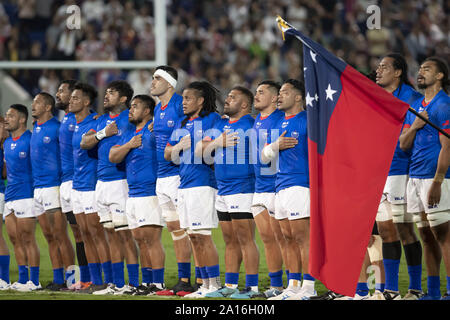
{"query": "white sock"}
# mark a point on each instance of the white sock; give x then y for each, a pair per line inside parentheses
(308, 285)
(230, 285)
(294, 283)
(254, 288)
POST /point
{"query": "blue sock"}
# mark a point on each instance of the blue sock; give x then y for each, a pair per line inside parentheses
(379, 287)
(203, 273)
(184, 270)
(133, 274)
(287, 274)
(362, 289)
(251, 280)
(308, 277)
(198, 274)
(85, 276)
(108, 272)
(58, 275)
(448, 285)
(158, 275)
(213, 271)
(34, 275)
(434, 286)
(23, 274)
(147, 275)
(118, 274)
(4, 268)
(276, 278)
(295, 276)
(415, 277)
(391, 268)
(232, 278)
(96, 273)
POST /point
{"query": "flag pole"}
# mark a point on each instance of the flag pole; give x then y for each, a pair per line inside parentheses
(282, 24)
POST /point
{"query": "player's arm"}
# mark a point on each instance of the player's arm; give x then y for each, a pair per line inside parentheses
(92, 138)
(409, 133)
(4, 170)
(172, 152)
(118, 153)
(270, 151)
(434, 194)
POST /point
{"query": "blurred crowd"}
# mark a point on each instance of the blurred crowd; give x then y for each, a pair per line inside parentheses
(226, 42)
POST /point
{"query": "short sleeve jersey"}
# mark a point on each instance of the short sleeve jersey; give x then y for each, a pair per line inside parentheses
(265, 174)
(65, 146)
(45, 155)
(293, 162)
(108, 171)
(427, 146)
(232, 167)
(18, 167)
(165, 119)
(141, 163)
(194, 172)
(84, 161)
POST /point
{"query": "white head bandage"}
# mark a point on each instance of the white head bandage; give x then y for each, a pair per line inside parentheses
(166, 76)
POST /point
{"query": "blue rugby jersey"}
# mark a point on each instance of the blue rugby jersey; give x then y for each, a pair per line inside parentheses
(293, 163)
(232, 167)
(401, 159)
(84, 161)
(45, 154)
(165, 119)
(265, 174)
(426, 147)
(66, 130)
(193, 171)
(18, 167)
(141, 163)
(108, 171)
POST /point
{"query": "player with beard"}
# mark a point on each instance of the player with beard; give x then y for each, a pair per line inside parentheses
(428, 188)
(111, 191)
(138, 148)
(66, 129)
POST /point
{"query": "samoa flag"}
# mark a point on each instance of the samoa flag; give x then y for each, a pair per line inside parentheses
(353, 129)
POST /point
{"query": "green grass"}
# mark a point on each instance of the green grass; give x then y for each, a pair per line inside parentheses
(171, 273)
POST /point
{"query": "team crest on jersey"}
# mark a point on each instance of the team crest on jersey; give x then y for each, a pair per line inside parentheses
(294, 134)
(38, 129)
(13, 146)
(47, 139)
(161, 115)
(284, 124)
(22, 154)
(170, 123)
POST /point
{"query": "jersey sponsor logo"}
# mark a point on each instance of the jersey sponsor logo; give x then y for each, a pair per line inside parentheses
(284, 124)
(76, 128)
(47, 139)
(294, 214)
(88, 208)
(22, 154)
(19, 213)
(64, 119)
(234, 207)
(170, 123)
(196, 224)
(399, 198)
(13, 146)
(47, 204)
(141, 220)
(161, 115)
(38, 129)
(421, 109)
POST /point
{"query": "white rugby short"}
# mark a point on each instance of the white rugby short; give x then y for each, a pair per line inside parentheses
(143, 211)
(83, 202)
(111, 198)
(417, 191)
(292, 203)
(46, 199)
(241, 202)
(2, 203)
(262, 201)
(395, 189)
(22, 208)
(167, 193)
(196, 207)
(65, 196)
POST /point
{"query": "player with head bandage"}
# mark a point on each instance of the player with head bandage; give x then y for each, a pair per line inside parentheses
(168, 112)
(292, 200)
(428, 188)
(19, 216)
(197, 190)
(46, 165)
(111, 190)
(138, 148)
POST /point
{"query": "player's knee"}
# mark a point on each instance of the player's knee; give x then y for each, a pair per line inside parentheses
(438, 218)
(399, 214)
(420, 223)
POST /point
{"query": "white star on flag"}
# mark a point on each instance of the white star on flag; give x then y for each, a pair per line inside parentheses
(313, 56)
(316, 97)
(309, 99)
(330, 92)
